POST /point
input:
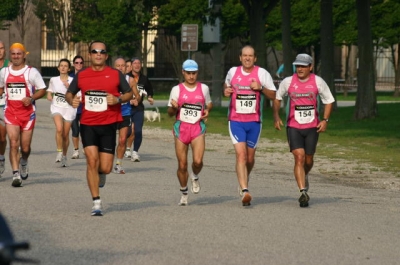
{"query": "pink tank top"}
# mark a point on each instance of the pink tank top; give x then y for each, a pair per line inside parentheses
(191, 104)
(303, 103)
(245, 103)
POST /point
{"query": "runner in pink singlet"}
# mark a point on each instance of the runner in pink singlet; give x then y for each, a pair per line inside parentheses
(303, 124)
(190, 103)
(246, 85)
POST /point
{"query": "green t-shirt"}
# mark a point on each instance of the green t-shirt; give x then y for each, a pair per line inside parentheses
(5, 63)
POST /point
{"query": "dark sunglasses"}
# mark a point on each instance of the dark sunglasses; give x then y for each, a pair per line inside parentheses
(94, 51)
(78, 62)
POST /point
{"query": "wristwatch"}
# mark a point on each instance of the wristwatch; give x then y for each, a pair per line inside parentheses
(119, 100)
(326, 120)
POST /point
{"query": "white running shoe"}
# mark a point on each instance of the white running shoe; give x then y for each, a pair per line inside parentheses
(102, 178)
(75, 154)
(195, 185)
(23, 169)
(184, 200)
(96, 209)
(17, 181)
(127, 154)
(2, 166)
(64, 161)
(135, 157)
(118, 169)
(59, 157)
(246, 199)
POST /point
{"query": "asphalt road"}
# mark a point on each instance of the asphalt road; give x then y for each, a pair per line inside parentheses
(142, 223)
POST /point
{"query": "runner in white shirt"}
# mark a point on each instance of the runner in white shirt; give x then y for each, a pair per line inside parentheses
(23, 85)
(63, 113)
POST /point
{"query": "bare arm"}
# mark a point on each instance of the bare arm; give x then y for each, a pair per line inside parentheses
(173, 109)
(323, 125)
(277, 120)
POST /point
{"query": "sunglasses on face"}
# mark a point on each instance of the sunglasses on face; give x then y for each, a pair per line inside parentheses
(78, 62)
(94, 51)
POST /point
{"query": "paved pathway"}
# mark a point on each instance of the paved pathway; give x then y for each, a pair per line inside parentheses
(142, 223)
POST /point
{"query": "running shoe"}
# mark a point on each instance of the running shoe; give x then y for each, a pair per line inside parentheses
(118, 169)
(135, 157)
(64, 161)
(127, 154)
(195, 185)
(304, 198)
(2, 166)
(96, 209)
(23, 169)
(59, 157)
(102, 181)
(307, 184)
(17, 181)
(75, 154)
(246, 199)
(240, 189)
(184, 200)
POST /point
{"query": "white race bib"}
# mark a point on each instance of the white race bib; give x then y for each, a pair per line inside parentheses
(190, 113)
(246, 103)
(59, 100)
(96, 100)
(304, 114)
(16, 91)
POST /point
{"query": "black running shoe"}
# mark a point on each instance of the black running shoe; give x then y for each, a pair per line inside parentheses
(303, 200)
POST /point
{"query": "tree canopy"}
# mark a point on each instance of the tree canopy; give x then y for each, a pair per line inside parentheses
(9, 10)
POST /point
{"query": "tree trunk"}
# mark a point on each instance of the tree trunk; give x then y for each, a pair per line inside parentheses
(397, 73)
(327, 53)
(366, 106)
(286, 39)
(218, 65)
(257, 11)
(257, 31)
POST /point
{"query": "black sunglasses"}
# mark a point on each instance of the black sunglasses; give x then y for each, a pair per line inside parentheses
(94, 51)
(78, 62)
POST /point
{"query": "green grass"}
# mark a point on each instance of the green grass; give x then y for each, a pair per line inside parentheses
(381, 96)
(376, 141)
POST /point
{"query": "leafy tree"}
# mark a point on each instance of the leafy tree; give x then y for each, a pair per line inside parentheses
(345, 34)
(171, 17)
(385, 18)
(366, 105)
(23, 21)
(258, 10)
(110, 21)
(58, 18)
(327, 53)
(9, 11)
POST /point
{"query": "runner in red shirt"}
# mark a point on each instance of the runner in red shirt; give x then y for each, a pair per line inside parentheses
(103, 90)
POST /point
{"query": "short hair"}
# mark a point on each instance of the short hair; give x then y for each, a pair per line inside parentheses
(248, 46)
(78, 57)
(135, 58)
(65, 60)
(97, 41)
